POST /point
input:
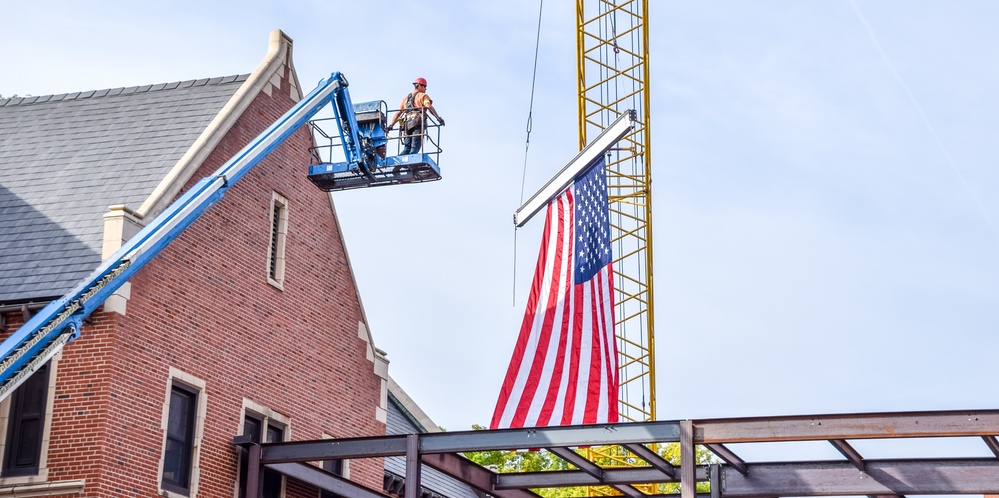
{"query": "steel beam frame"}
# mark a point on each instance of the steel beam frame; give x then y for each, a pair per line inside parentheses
(736, 478)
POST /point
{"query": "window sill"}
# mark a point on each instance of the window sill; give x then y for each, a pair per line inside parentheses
(42, 488)
(276, 283)
(172, 494)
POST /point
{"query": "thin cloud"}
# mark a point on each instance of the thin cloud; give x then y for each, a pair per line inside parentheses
(926, 120)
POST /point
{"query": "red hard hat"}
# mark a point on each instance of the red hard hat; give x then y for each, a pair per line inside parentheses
(420, 81)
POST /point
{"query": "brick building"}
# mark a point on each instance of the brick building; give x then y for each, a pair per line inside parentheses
(248, 323)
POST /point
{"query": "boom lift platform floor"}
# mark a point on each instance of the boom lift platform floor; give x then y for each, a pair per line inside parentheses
(410, 168)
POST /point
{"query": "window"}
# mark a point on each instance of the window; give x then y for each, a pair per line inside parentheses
(26, 426)
(336, 467)
(272, 478)
(179, 450)
(263, 426)
(182, 425)
(279, 232)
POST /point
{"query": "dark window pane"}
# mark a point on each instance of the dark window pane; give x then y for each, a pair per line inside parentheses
(251, 427)
(274, 434)
(272, 479)
(254, 428)
(274, 239)
(26, 424)
(180, 440)
(333, 467)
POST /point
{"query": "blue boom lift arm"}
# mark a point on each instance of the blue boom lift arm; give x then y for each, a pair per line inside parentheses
(58, 323)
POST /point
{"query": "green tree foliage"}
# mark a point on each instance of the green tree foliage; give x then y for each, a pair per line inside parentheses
(517, 461)
(542, 461)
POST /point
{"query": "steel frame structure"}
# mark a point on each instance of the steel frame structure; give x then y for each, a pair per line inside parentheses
(734, 478)
(612, 41)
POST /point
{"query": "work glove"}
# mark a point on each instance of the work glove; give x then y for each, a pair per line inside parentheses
(441, 120)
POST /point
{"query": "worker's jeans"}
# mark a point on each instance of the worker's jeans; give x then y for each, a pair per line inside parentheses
(411, 142)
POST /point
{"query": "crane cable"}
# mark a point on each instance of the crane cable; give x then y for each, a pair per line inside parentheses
(527, 142)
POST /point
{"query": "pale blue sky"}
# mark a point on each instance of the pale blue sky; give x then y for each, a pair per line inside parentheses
(826, 221)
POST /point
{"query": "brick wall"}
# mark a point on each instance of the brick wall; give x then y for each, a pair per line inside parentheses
(204, 307)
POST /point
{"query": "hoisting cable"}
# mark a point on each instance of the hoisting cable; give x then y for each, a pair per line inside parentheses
(527, 142)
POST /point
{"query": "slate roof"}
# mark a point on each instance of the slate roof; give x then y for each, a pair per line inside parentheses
(65, 158)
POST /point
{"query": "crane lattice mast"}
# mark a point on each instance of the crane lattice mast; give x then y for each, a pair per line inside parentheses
(612, 67)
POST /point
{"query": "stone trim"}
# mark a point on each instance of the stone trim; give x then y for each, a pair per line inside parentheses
(120, 225)
(380, 365)
(276, 248)
(57, 488)
(200, 386)
(276, 62)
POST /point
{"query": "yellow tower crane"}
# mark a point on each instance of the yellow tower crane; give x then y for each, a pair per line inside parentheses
(612, 68)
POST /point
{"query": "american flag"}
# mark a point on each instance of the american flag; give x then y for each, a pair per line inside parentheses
(564, 369)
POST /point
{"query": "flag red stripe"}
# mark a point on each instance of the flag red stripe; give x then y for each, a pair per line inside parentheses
(558, 279)
(605, 284)
(526, 326)
(594, 375)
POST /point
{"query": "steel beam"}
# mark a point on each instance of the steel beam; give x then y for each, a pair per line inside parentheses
(882, 477)
(459, 442)
(550, 437)
(582, 463)
(850, 426)
(324, 480)
(737, 479)
(329, 449)
(579, 461)
(729, 457)
(849, 452)
(472, 474)
(569, 478)
(993, 445)
(628, 490)
(643, 452)
(677, 495)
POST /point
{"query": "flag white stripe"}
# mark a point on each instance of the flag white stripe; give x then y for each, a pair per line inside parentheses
(564, 266)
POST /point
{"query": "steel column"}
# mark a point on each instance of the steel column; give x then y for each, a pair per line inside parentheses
(688, 460)
(412, 466)
(254, 474)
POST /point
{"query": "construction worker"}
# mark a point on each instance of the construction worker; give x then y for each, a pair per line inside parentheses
(411, 111)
